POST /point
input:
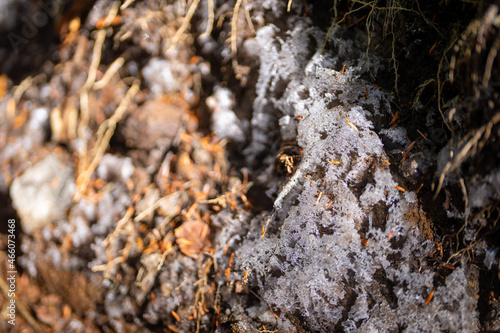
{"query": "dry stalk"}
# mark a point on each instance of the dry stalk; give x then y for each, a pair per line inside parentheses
(22, 308)
(247, 16)
(113, 68)
(84, 99)
(104, 134)
(113, 11)
(210, 19)
(151, 208)
(106, 268)
(184, 25)
(119, 225)
(471, 145)
(96, 60)
(234, 27)
(126, 4)
(10, 109)
(25, 84)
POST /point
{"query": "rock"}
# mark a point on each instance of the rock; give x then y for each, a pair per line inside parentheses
(152, 125)
(43, 193)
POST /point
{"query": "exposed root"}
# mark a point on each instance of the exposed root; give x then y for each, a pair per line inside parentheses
(392, 10)
(234, 27)
(210, 19)
(184, 25)
(112, 70)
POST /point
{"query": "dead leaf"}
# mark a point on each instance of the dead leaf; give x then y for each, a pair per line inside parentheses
(192, 237)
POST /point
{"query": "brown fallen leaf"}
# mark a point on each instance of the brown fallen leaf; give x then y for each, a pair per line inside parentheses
(192, 237)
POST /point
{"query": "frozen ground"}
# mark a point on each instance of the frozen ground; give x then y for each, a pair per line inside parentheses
(162, 182)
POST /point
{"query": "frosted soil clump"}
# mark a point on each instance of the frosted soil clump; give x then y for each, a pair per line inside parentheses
(345, 247)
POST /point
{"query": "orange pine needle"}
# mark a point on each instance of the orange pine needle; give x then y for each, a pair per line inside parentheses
(351, 124)
(264, 228)
(433, 47)
(400, 188)
(175, 315)
(205, 271)
(153, 297)
(274, 314)
(429, 298)
(329, 204)
(422, 134)
(173, 329)
(209, 249)
(245, 277)
(408, 152)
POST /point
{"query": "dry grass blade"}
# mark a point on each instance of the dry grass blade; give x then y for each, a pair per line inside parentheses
(185, 24)
(104, 134)
(470, 148)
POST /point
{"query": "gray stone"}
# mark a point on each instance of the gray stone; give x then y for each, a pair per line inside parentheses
(43, 193)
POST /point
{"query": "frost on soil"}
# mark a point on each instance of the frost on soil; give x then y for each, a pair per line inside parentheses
(164, 236)
(343, 248)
